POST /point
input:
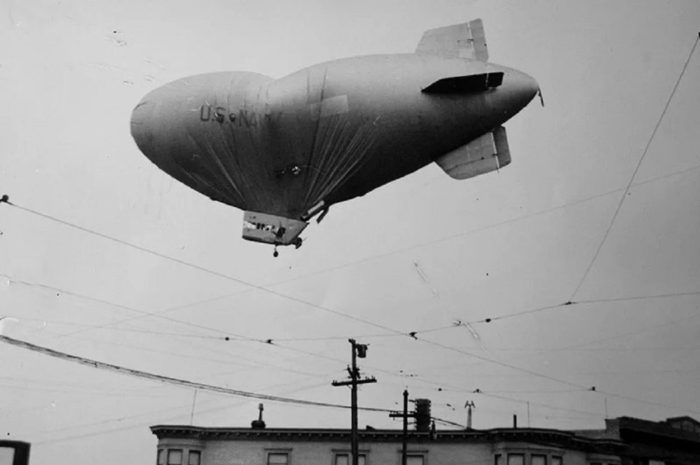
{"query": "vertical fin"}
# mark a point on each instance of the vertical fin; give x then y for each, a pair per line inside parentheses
(466, 40)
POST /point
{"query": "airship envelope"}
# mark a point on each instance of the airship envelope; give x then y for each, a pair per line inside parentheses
(284, 150)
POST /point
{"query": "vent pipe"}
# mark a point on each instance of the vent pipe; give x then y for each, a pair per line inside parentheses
(259, 423)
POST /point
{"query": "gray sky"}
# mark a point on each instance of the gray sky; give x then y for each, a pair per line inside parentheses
(417, 254)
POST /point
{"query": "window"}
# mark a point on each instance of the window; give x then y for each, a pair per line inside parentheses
(175, 457)
(7, 455)
(497, 460)
(277, 458)
(556, 460)
(194, 457)
(538, 459)
(415, 459)
(516, 459)
(344, 459)
(161, 457)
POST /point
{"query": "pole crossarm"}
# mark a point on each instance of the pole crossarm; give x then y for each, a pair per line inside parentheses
(355, 381)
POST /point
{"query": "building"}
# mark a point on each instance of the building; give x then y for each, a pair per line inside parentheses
(257, 445)
(675, 441)
(14, 452)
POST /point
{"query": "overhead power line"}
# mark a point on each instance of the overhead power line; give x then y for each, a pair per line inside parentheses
(170, 380)
(583, 302)
(158, 315)
(5, 200)
(412, 334)
(279, 294)
(394, 333)
(634, 173)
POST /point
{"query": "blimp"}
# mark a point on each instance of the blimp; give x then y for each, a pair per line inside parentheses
(285, 150)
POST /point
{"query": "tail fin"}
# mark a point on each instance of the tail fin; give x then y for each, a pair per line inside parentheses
(466, 40)
(482, 155)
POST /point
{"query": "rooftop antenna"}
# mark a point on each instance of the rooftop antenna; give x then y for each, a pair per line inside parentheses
(469, 406)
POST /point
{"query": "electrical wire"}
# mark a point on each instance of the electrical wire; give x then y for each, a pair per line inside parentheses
(411, 334)
(634, 174)
(639, 297)
(392, 332)
(225, 335)
(170, 380)
(157, 315)
(147, 414)
(503, 364)
(617, 337)
(586, 301)
(414, 336)
(462, 234)
(195, 266)
(540, 404)
(349, 264)
(493, 361)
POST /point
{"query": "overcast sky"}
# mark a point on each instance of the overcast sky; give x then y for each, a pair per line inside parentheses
(425, 252)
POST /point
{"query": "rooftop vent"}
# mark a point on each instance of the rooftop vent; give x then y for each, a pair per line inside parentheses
(259, 423)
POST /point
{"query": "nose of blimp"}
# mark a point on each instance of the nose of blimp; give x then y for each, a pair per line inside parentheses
(159, 124)
(154, 121)
(141, 119)
(517, 90)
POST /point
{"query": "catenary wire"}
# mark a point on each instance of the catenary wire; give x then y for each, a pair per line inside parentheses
(586, 301)
(282, 295)
(480, 357)
(195, 266)
(349, 264)
(150, 414)
(225, 335)
(170, 380)
(634, 174)
(486, 359)
(177, 381)
(192, 304)
(154, 314)
(489, 360)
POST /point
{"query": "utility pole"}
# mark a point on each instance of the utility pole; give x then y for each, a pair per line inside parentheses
(404, 415)
(358, 350)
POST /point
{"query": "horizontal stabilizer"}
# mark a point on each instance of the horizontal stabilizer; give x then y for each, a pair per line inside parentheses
(466, 40)
(488, 152)
(462, 84)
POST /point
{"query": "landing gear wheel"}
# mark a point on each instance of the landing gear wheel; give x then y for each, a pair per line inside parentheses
(275, 253)
(297, 242)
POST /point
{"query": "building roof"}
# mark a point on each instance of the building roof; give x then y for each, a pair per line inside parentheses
(636, 427)
(565, 439)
